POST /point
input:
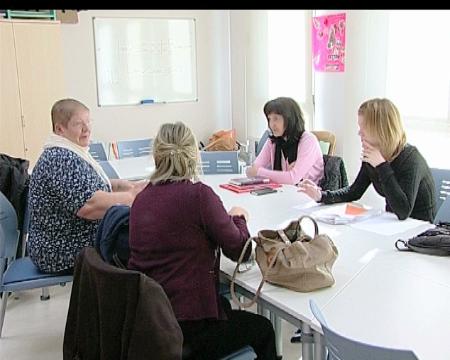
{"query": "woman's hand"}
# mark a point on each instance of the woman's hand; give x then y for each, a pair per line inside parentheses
(371, 154)
(310, 189)
(137, 187)
(251, 171)
(238, 211)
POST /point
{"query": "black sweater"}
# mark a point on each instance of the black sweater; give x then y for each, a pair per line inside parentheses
(406, 183)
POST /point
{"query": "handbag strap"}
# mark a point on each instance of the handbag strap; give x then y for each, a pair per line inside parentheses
(405, 245)
(284, 237)
(263, 280)
(316, 227)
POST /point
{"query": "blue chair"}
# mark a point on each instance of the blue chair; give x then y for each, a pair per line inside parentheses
(97, 150)
(443, 214)
(134, 148)
(441, 179)
(261, 142)
(20, 274)
(109, 170)
(219, 162)
(340, 347)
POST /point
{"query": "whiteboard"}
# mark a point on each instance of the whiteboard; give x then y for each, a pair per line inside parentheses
(150, 59)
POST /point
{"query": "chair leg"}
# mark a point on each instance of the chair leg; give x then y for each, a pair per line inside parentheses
(5, 295)
(45, 294)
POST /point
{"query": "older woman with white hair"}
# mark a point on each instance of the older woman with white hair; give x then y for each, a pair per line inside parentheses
(69, 191)
(178, 226)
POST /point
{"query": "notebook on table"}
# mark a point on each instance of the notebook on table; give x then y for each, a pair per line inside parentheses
(248, 188)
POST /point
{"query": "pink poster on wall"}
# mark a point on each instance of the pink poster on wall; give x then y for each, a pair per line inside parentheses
(328, 41)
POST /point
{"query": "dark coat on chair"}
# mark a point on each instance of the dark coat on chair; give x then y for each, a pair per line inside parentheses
(118, 314)
(14, 181)
(113, 234)
(335, 176)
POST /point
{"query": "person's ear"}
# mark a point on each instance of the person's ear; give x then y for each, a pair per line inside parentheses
(59, 129)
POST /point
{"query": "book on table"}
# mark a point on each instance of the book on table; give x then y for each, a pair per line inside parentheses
(247, 188)
(252, 180)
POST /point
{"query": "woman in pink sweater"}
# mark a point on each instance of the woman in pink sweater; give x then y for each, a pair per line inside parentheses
(291, 154)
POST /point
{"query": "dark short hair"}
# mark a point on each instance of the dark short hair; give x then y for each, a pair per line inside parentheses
(63, 110)
(292, 115)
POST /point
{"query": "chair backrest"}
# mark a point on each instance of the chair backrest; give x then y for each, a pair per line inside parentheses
(115, 311)
(327, 141)
(134, 148)
(443, 214)
(340, 347)
(261, 142)
(109, 170)
(219, 162)
(9, 232)
(441, 179)
(335, 175)
(98, 152)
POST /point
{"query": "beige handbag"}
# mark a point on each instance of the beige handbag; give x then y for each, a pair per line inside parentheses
(292, 259)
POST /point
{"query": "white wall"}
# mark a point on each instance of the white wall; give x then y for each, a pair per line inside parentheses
(210, 113)
(338, 95)
(232, 65)
(249, 71)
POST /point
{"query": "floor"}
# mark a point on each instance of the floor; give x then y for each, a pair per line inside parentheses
(34, 329)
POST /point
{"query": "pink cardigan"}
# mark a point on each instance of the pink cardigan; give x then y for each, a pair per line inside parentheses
(309, 163)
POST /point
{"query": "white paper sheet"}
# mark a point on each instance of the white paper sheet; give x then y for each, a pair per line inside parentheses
(336, 214)
(387, 224)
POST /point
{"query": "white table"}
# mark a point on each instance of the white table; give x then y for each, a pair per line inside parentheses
(133, 168)
(390, 304)
(381, 296)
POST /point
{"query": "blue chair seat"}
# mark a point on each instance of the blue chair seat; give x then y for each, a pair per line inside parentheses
(23, 271)
(18, 274)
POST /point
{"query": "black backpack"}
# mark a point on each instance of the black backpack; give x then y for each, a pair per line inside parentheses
(433, 242)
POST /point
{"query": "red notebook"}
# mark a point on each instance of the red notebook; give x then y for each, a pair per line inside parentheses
(248, 188)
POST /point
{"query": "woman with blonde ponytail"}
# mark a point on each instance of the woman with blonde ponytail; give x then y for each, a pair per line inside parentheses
(178, 227)
(396, 169)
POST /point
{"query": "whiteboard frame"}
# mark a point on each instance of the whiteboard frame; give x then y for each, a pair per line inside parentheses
(195, 67)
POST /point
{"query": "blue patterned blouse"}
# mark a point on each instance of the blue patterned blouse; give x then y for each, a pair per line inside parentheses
(60, 185)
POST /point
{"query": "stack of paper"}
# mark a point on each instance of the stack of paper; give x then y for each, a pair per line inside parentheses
(344, 214)
(253, 180)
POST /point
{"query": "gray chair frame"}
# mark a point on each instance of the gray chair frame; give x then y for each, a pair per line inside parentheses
(109, 170)
(260, 144)
(219, 162)
(342, 348)
(443, 214)
(134, 148)
(98, 152)
(18, 274)
(441, 179)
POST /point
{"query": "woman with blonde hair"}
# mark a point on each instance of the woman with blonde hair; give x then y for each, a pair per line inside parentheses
(396, 169)
(178, 226)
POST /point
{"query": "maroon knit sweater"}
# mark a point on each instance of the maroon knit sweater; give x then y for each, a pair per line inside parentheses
(176, 230)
